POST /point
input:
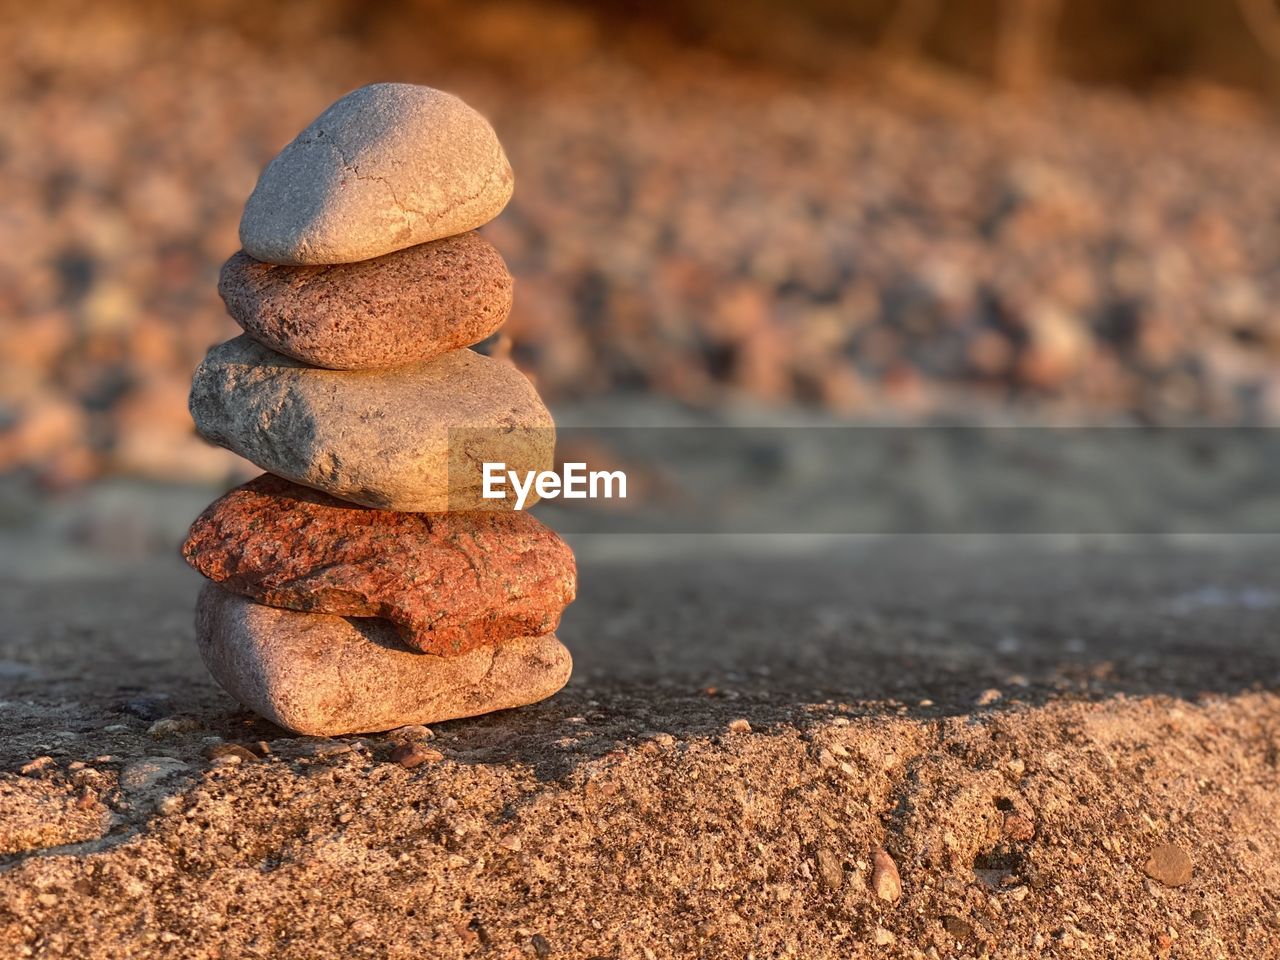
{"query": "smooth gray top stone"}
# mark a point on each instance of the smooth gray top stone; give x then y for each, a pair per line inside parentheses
(388, 166)
(381, 438)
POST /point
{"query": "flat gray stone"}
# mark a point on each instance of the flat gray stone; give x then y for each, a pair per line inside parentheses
(141, 775)
(323, 675)
(388, 166)
(380, 438)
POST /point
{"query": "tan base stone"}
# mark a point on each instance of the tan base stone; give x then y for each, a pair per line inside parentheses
(323, 675)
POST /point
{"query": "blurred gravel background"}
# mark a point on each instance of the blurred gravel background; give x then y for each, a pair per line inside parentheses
(869, 241)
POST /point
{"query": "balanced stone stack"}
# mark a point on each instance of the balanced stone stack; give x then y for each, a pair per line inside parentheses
(364, 582)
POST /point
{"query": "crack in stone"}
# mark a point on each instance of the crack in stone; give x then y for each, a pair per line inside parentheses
(405, 209)
(406, 212)
(493, 663)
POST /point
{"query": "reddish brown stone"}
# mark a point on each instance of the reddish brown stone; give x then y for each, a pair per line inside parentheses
(451, 582)
(410, 755)
(405, 307)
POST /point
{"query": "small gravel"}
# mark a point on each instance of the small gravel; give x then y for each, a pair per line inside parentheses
(410, 755)
(884, 877)
(1169, 864)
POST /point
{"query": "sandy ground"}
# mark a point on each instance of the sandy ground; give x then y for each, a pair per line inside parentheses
(1018, 725)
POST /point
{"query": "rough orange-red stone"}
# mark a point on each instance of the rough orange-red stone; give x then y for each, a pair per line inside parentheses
(451, 582)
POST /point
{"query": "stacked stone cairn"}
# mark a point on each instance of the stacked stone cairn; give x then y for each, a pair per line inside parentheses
(364, 583)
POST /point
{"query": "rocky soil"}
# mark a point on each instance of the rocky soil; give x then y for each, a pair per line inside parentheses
(1063, 749)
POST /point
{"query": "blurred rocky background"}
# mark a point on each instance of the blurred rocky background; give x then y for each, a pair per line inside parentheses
(900, 209)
